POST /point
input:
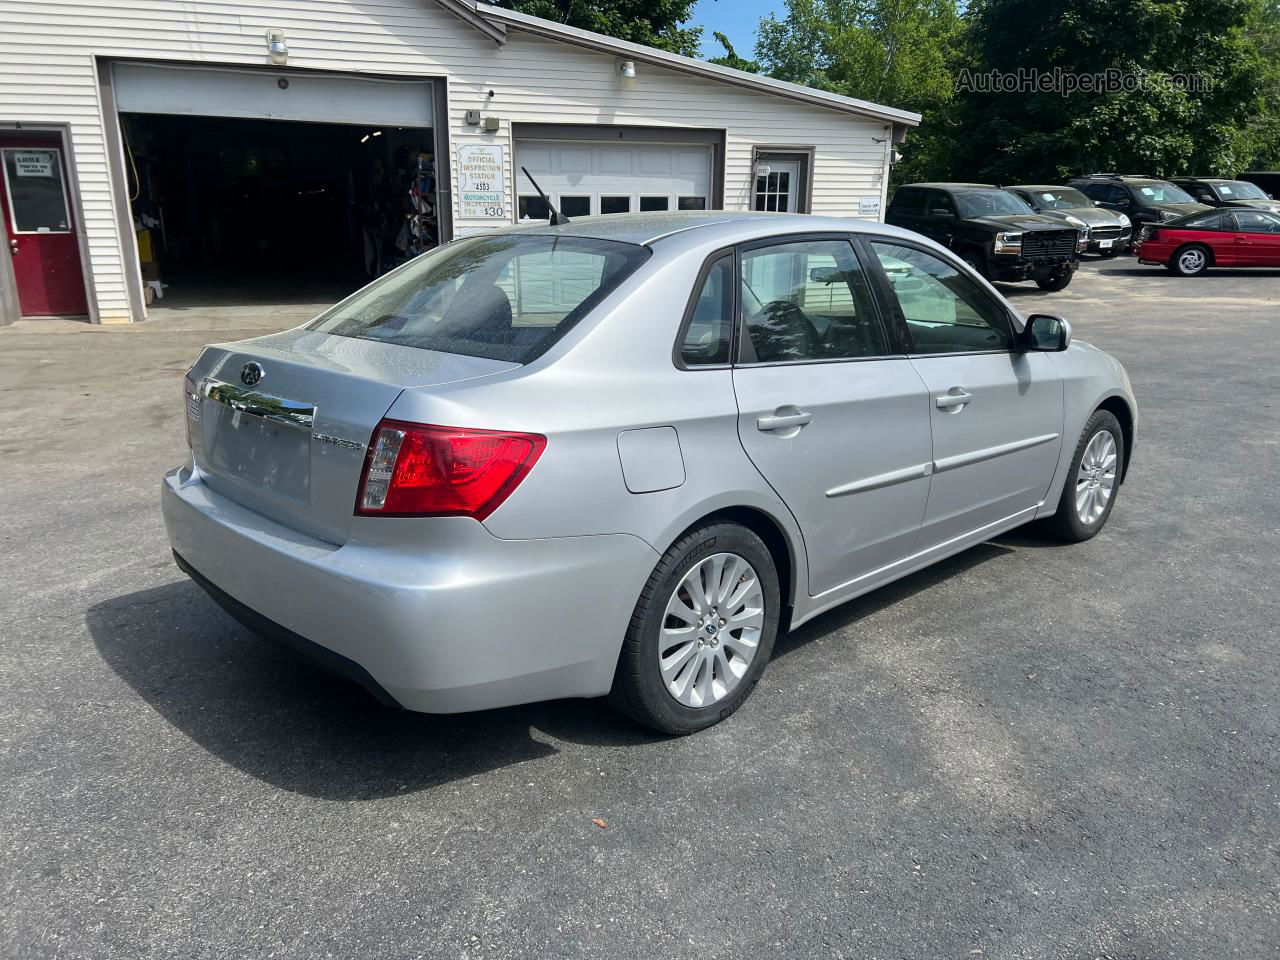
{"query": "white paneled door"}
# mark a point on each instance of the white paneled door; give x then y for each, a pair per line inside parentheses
(585, 179)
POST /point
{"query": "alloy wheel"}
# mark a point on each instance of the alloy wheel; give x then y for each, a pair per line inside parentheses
(1191, 261)
(710, 630)
(1096, 479)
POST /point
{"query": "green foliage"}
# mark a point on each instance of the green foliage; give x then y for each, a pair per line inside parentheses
(1262, 36)
(893, 52)
(731, 58)
(1209, 126)
(655, 23)
(901, 53)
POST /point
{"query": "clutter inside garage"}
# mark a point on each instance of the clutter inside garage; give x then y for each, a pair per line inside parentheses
(241, 211)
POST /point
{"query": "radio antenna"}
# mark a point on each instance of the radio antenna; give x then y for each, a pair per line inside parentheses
(558, 219)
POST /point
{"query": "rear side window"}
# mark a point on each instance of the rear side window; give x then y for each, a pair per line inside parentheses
(504, 297)
(909, 200)
(1205, 221)
(706, 339)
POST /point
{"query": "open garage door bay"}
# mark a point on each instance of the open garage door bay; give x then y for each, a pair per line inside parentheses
(258, 186)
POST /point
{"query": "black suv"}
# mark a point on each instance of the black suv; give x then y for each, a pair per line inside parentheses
(1220, 192)
(994, 232)
(1141, 199)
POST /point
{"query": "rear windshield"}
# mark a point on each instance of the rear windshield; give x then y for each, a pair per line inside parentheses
(503, 297)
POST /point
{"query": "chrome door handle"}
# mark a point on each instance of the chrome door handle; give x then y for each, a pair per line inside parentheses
(13, 247)
(955, 397)
(783, 421)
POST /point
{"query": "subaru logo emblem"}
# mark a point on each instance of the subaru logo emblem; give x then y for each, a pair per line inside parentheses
(251, 374)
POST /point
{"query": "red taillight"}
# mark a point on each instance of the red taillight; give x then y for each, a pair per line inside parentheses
(417, 470)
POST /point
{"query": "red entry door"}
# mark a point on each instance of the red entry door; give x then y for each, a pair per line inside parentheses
(40, 233)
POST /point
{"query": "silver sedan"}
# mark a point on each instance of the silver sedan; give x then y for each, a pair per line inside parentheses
(617, 456)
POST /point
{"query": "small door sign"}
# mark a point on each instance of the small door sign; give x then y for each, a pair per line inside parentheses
(33, 163)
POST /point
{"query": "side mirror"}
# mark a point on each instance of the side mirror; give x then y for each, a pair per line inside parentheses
(1046, 333)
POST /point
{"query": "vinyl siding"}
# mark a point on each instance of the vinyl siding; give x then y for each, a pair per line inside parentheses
(48, 74)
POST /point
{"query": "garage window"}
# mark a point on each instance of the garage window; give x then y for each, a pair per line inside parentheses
(575, 206)
(691, 203)
(615, 204)
(653, 204)
(534, 208)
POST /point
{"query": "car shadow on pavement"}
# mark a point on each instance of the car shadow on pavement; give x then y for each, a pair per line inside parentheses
(263, 710)
(848, 614)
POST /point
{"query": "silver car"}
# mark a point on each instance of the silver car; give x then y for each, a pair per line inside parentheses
(1108, 231)
(618, 455)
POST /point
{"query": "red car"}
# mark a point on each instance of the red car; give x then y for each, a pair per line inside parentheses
(1225, 237)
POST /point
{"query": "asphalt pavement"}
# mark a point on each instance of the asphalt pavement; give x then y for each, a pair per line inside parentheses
(1029, 751)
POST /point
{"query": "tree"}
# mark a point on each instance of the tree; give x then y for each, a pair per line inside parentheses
(900, 53)
(1262, 36)
(655, 23)
(1187, 90)
(731, 58)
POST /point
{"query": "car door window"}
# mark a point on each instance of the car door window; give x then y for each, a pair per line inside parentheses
(944, 311)
(940, 204)
(808, 300)
(706, 338)
(1255, 221)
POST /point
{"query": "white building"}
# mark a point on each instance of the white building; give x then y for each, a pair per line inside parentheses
(234, 150)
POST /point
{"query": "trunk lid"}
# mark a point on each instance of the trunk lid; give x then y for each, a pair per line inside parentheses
(281, 424)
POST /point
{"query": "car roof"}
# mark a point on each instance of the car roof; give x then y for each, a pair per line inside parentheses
(953, 186)
(648, 228)
(1039, 186)
(1201, 179)
(637, 227)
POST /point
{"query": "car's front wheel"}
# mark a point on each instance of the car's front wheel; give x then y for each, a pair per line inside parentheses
(702, 631)
(1190, 261)
(977, 263)
(1057, 280)
(1093, 480)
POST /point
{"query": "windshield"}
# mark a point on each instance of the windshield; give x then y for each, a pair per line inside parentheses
(502, 297)
(990, 203)
(1239, 190)
(1162, 193)
(1060, 198)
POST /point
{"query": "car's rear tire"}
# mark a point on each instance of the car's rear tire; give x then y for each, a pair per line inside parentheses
(1191, 260)
(684, 664)
(1092, 482)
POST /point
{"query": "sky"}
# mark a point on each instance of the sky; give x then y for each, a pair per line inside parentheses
(736, 19)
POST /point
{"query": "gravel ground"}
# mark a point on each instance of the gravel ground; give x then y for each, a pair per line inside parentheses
(1029, 751)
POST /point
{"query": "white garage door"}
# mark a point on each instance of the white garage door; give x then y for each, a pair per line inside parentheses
(591, 178)
(213, 92)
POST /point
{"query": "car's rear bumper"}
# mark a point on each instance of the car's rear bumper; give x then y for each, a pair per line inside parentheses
(445, 618)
